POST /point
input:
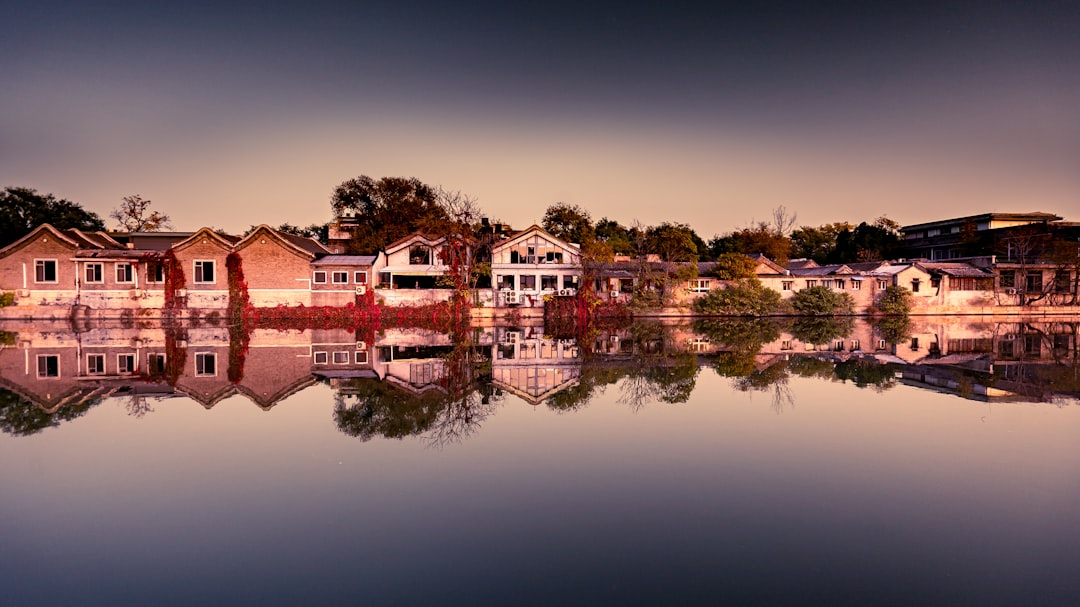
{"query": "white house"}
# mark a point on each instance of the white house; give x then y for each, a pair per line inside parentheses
(531, 264)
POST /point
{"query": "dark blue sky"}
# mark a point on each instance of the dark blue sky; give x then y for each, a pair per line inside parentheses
(705, 113)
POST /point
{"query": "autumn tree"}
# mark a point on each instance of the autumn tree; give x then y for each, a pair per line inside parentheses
(672, 242)
(817, 243)
(23, 209)
(868, 242)
(134, 215)
(569, 222)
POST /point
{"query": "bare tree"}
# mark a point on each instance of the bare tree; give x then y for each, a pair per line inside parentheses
(783, 220)
(134, 215)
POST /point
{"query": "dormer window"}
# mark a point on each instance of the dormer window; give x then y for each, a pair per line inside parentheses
(419, 255)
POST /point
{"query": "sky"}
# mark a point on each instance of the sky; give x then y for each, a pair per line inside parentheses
(711, 114)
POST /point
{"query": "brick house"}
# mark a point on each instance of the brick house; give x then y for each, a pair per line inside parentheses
(277, 267)
(337, 280)
(202, 258)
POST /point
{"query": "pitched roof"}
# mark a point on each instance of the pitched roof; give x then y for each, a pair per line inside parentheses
(58, 234)
(345, 260)
(535, 229)
(798, 264)
(225, 240)
(305, 247)
(413, 238)
(958, 270)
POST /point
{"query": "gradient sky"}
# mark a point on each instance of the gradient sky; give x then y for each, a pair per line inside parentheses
(709, 114)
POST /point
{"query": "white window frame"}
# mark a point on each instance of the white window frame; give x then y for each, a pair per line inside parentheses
(100, 358)
(195, 271)
(315, 277)
(882, 285)
(700, 285)
(343, 359)
(360, 357)
(99, 270)
(342, 273)
(128, 269)
(320, 358)
(787, 285)
(56, 271)
(132, 359)
(40, 357)
(811, 283)
(203, 356)
(360, 277)
(856, 285)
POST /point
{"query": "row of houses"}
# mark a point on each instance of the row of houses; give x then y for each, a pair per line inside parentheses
(55, 269)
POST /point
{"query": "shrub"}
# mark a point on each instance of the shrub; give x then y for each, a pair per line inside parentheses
(7, 298)
(822, 301)
(747, 298)
(895, 301)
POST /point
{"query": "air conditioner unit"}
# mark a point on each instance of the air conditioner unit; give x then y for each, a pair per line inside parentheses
(1010, 291)
(361, 345)
(361, 289)
(511, 297)
(562, 292)
(181, 292)
(24, 292)
(614, 294)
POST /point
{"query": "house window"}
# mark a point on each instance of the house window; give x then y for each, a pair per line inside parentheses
(155, 363)
(361, 357)
(48, 365)
(1061, 281)
(882, 285)
(124, 273)
(881, 344)
(839, 284)
(1008, 279)
(94, 273)
(855, 345)
(549, 283)
(205, 364)
(570, 282)
(321, 358)
(506, 282)
(914, 344)
(915, 285)
(528, 282)
(838, 345)
(856, 285)
(1034, 282)
(811, 284)
(340, 278)
(787, 284)
(95, 364)
(554, 257)
(155, 271)
(700, 285)
(319, 277)
(204, 271)
(360, 278)
(785, 345)
(419, 255)
(44, 270)
(341, 358)
(125, 363)
(531, 255)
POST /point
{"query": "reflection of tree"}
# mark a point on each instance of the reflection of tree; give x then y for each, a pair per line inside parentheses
(20, 417)
(864, 374)
(670, 382)
(819, 330)
(383, 410)
(893, 329)
(138, 406)
(773, 378)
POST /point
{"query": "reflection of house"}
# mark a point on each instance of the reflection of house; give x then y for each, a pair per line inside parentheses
(533, 264)
(533, 367)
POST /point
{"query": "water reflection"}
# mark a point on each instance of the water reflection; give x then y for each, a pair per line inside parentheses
(411, 382)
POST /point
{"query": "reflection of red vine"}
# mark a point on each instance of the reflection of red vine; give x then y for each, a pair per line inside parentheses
(239, 335)
(175, 353)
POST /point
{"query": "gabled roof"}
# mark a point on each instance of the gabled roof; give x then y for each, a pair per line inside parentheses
(152, 241)
(225, 241)
(828, 270)
(345, 260)
(760, 259)
(59, 235)
(955, 269)
(304, 247)
(415, 237)
(801, 263)
(535, 229)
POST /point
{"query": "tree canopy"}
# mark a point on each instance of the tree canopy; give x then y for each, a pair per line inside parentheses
(23, 209)
(387, 209)
(569, 222)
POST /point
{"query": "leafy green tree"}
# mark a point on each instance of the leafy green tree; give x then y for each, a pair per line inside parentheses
(817, 243)
(569, 222)
(747, 298)
(868, 242)
(387, 209)
(822, 301)
(622, 240)
(23, 209)
(673, 242)
(757, 239)
(734, 266)
(895, 301)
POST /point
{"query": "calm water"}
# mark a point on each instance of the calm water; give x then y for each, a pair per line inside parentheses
(708, 464)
